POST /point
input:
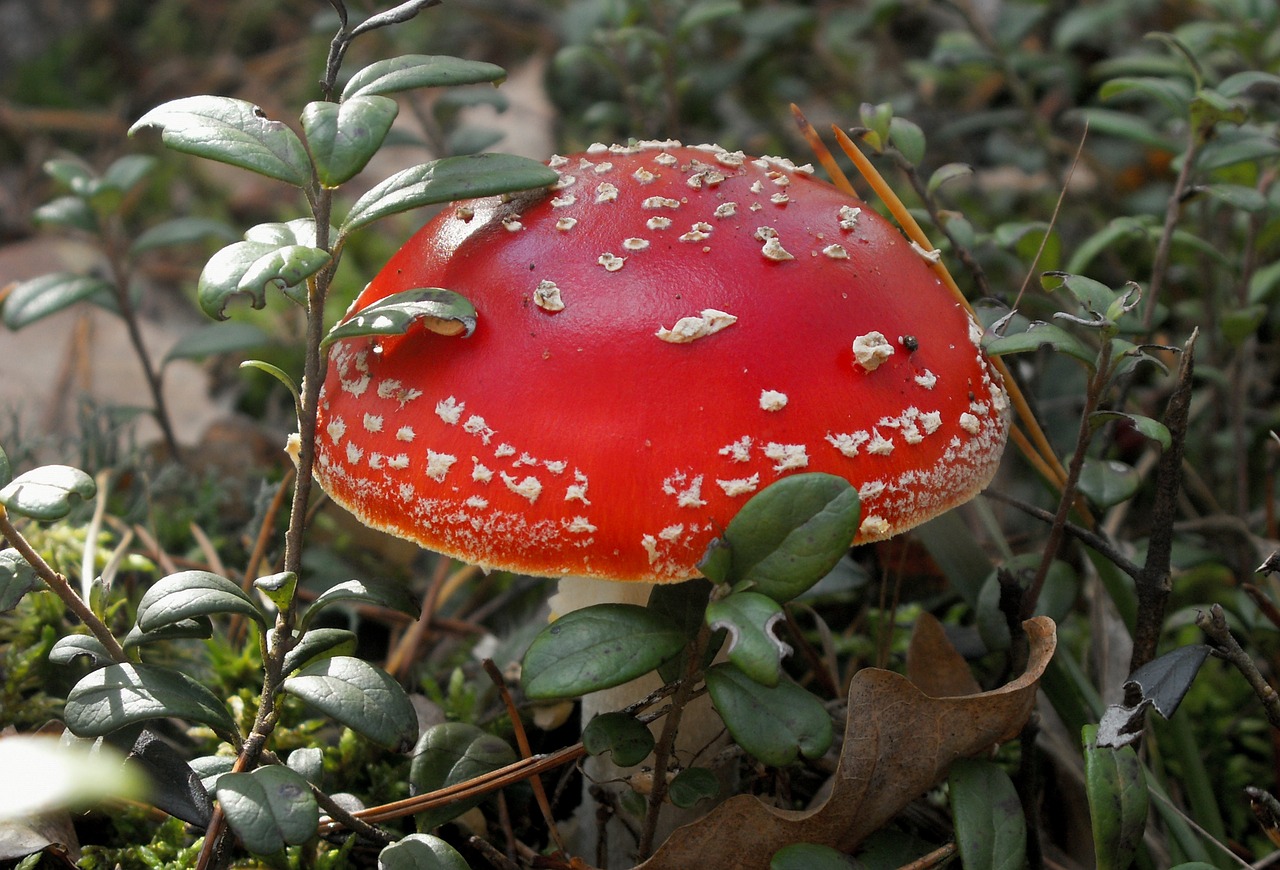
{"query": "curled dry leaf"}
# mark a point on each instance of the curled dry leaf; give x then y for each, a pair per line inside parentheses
(934, 664)
(898, 743)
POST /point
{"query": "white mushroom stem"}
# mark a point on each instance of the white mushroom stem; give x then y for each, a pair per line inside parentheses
(699, 726)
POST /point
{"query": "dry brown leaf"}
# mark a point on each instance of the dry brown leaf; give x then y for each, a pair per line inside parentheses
(934, 665)
(898, 743)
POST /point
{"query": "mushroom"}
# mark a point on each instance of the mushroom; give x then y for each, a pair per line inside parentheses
(665, 332)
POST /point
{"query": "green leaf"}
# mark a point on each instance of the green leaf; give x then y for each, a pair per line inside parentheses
(750, 619)
(71, 172)
(421, 852)
(596, 648)
(1236, 84)
(1239, 196)
(342, 137)
(38, 298)
(191, 595)
(248, 267)
(809, 856)
(1108, 238)
(316, 644)
(279, 587)
(381, 593)
(1117, 791)
(47, 492)
(1038, 335)
(185, 629)
(230, 131)
(683, 606)
(945, 173)
(270, 808)
(360, 696)
(17, 578)
(1237, 324)
(445, 180)
(1124, 125)
(908, 138)
(127, 172)
(419, 71)
(691, 785)
(1144, 426)
(1231, 147)
(1174, 93)
(123, 694)
(216, 339)
(181, 231)
(449, 754)
(70, 647)
(1107, 482)
(773, 724)
(790, 534)
(47, 775)
(6, 470)
(441, 311)
(70, 212)
(991, 831)
(308, 762)
(628, 739)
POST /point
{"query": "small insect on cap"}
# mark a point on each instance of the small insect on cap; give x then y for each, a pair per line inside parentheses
(664, 333)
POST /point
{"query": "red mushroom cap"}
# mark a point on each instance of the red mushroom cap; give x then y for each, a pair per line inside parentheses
(667, 331)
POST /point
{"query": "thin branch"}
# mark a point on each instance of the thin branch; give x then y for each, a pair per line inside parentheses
(1214, 625)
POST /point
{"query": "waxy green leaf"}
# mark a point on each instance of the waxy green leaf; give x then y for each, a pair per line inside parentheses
(185, 629)
(17, 578)
(191, 595)
(625, 737)
(440, 311)
(270, 808)
(344, 136)
(1117, 791)
(1107, 482)
(421, 852)
(182, 231)
(792, 533)
(750, 619)
(773, 724)
(230, 131)
(419, 71)
(319, 643)
(360, 696)
(596, 648)
(382, 593)
(1144, 426)
(70, 212)
(70, 647)
(122, 694)
(47, 492)
(990, 829)
(445, 180)
(246, 268)
(449, 754)
(217, 339)
(1038, 335)
(38, 298)
(691, 785)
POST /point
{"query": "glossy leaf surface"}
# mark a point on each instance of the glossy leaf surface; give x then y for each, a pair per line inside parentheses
(452, 753)
(440, 311)
(40, 297)
(191, 595)
(595, 648)
(270, 808)
(344, 136)
(121, 694)
(419, 71)
(1117, 791)
(421, 852)
(230, 131)
(990, 829)
(17, 578)
(447, 179)
(775, 724)
(792, 533)
(47, 492)
(750, 619)
(247, 268)
(363, 697)
(627, 738)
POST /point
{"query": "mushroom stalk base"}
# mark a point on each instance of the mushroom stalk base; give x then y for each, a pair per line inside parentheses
(700, 727)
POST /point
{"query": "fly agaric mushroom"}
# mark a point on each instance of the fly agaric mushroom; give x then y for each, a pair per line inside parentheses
(665, 332)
